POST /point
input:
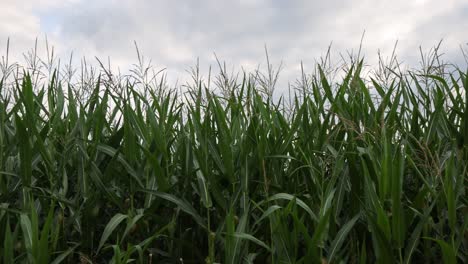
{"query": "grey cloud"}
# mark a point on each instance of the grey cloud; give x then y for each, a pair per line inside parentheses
(206, 26)
(174, 33)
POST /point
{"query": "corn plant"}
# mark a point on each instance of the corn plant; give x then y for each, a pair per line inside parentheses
(360, 170)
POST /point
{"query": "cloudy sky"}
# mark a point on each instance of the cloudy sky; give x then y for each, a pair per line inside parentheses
(175, 33)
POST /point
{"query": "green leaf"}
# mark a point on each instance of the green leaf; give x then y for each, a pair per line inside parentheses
(131, 224)
(24, 151)
(448, 252)
(8, 250)
(289, 197)
(202, 185)
(110, 227)
(253, 239)
(64, 255)
(27, 231)
(340, 237)
(183, 205)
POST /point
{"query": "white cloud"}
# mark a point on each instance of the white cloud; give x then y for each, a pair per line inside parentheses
(174, 33)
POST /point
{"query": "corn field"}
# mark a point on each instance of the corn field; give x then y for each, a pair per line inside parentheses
(359, 170)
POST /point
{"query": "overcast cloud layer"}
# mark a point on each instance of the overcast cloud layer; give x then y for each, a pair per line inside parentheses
(175, 33)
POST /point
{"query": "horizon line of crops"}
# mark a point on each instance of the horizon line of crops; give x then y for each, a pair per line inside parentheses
(363, 170)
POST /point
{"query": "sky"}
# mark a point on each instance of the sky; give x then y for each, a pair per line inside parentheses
(174, 34)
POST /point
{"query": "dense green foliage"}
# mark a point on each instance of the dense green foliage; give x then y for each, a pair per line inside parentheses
(361, 170)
